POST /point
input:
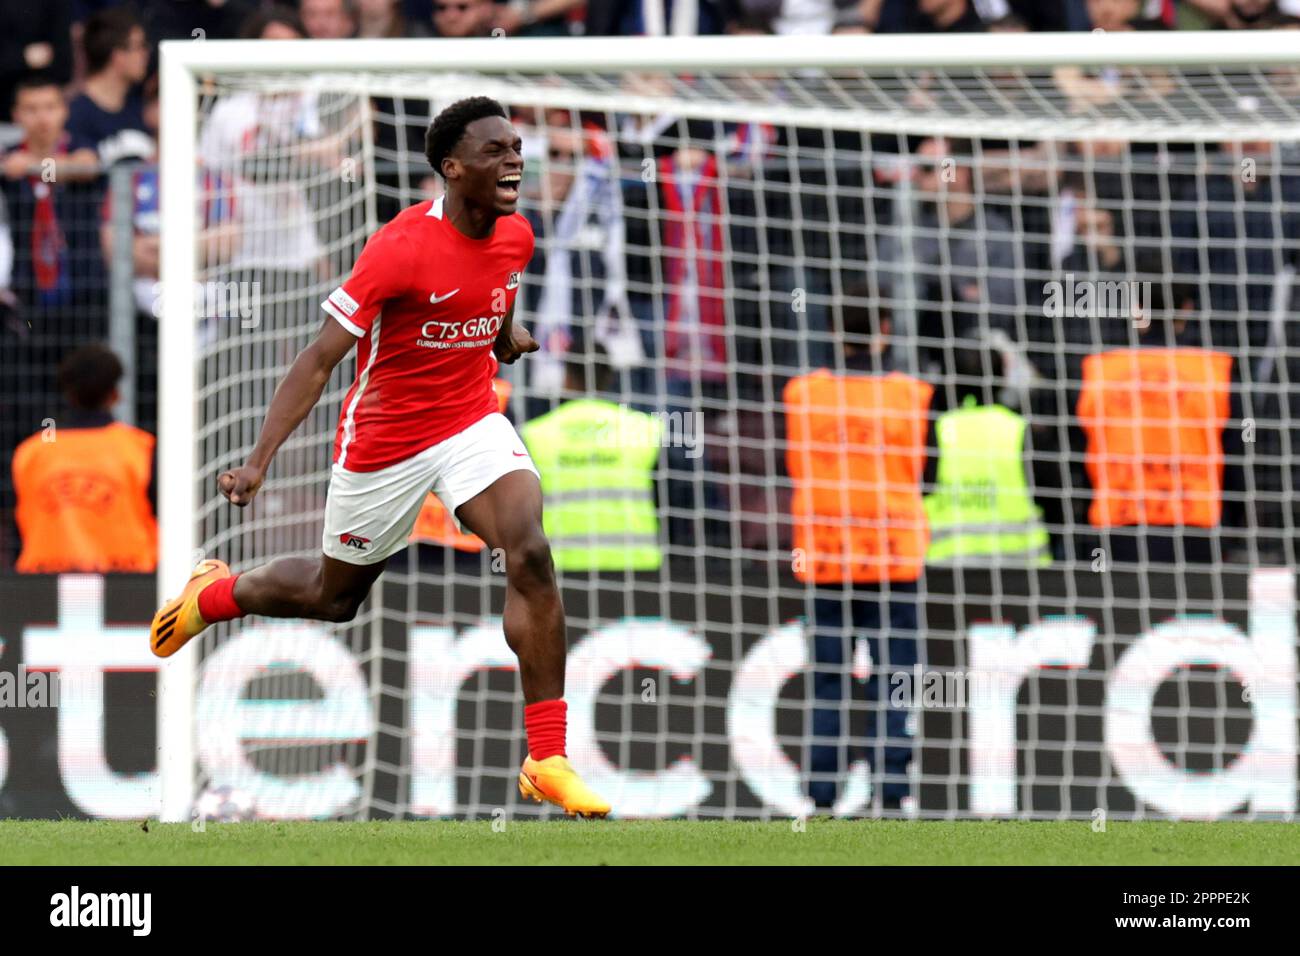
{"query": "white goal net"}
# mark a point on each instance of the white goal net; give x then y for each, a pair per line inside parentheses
(992, 217)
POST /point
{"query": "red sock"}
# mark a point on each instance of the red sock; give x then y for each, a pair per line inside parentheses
(217, 601)
(545, 722)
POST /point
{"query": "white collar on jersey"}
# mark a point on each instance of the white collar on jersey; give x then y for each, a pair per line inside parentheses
(435, 210)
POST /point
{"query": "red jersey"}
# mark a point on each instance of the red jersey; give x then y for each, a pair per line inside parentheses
(426, 302)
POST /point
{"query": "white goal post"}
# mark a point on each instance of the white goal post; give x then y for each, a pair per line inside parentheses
(987, 87)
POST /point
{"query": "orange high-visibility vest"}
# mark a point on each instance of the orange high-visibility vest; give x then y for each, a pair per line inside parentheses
(856, 453)
(83, 501)
(1154, 420)
(435, 525)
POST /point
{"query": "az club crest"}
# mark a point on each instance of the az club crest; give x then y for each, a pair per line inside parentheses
(354, 541)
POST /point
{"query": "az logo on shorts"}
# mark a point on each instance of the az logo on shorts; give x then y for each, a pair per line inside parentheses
(354, 541)
(513, 281)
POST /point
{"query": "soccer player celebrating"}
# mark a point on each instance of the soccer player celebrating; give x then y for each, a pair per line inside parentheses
(430, 307)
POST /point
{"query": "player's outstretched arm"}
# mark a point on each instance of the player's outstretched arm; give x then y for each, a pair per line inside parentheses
(512, 341)
(296, 395)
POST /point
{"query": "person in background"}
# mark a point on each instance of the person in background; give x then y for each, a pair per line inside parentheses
(328, 19)
(597, 462)
(399, 125)
(539, 17)
(275, 243)
(856, 453)
(1243, 248)
(194, 20)
(1246, 232)
(273, 22)
(83, 483)
(940, 16)
(655, 17)
(1155, 442)
(52, 203)
(1040, 16)
(1247, 14)
(576, 210)
(790, 17)
(217, 238)
(463, 18)
(1115, 16)
(981, 510)
(109, 113)
(48, 150)
(384, 20)
(963, 257)
(1088, 88)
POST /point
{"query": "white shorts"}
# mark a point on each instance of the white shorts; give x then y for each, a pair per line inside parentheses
(369, 515)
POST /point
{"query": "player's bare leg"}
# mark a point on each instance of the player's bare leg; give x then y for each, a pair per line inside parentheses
(317, 589)
(507, 515)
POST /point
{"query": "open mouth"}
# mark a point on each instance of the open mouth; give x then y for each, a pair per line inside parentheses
(508, 186)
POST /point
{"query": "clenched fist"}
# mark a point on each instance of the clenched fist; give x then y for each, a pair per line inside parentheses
(519, 343)
(240, 485)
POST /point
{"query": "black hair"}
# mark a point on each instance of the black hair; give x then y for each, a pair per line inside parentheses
(753, 21)
(88, 376)
(862, 315)
(36, 80)
(596, 359)
(256, 23)
(448, 126)
(977, 369)
(106, 31)
(1276, 20)
(1009, 22)
(1166, 296)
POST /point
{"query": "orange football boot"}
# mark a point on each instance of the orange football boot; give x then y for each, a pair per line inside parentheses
(179, 620)
(555, 781)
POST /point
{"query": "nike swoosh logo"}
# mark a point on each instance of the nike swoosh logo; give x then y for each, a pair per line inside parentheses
(435, 298)
(520, 454)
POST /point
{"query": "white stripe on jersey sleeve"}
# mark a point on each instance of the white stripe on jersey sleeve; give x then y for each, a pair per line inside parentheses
(343, 320)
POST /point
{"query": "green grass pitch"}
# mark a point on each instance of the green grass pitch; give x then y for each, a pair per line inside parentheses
(561, 841)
